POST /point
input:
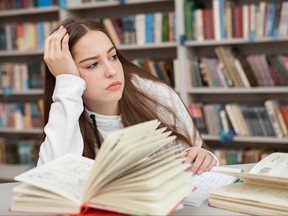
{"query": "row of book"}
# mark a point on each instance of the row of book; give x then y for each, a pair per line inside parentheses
(21, 76)
(20, 116)
(227, 19)
(240, 156)
(19, 4)
(230, 70)
(160, 69)
(16, 152)
(25, 36)
(144, 28)
(270, 119)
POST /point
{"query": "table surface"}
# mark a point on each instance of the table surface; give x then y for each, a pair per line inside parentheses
(6, 195)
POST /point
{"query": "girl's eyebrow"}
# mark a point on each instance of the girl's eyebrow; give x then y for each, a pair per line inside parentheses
(95, 57)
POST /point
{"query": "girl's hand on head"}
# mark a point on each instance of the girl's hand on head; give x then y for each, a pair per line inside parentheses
(57, 54)
(200, 159)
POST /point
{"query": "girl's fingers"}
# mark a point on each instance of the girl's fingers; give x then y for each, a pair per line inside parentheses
(57, 40)
(65, 46)
(203, 165)
(199, 159)
(47, 44)
(191, 155)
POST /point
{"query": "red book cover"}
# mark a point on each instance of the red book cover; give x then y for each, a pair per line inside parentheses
(96, 212)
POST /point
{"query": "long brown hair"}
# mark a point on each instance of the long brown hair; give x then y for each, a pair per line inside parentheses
(135, 105)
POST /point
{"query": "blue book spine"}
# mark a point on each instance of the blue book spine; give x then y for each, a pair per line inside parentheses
(222, 25)
(40, 35)
(149, 27)
(271, 18)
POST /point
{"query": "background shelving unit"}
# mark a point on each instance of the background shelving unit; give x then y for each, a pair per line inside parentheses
(10, 137)
(219, 95)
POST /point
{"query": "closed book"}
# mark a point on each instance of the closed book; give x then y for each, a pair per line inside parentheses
(271, 106)
(208, 25)
(111, 31)
(237, 21)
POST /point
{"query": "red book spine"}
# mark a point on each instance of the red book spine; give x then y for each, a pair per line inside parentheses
(208, 25)
(237, 22)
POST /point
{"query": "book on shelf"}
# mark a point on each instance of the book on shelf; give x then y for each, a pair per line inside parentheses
(130, 175)
(16, 151)
(262, 191)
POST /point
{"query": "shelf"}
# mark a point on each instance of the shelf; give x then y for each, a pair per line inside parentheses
(12, 53)
(255, 90)
(34, 131)
(145, 1)
(147, 46)
(233, 41)
(32, 92)
(264, 140)
(92, 5)
(29, 11)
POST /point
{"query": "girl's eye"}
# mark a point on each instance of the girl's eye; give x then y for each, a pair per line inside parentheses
(92, 65)
(114, 57)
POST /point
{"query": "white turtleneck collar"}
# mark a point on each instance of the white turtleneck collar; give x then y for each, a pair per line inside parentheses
(106, 123)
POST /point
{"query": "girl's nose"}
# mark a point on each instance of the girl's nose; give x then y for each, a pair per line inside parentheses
(109, 69)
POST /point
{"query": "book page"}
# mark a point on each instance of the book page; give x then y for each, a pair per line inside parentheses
(276, 164)
(206, 182)
(64, 176)
(125, 147)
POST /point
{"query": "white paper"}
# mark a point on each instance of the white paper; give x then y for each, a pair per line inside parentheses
(206, 182)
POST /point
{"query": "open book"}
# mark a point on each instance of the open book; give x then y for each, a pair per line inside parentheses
(263, 191)
(128, 176)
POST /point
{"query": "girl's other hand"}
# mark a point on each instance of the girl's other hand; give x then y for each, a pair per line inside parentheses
(57, 54)
(200, 159)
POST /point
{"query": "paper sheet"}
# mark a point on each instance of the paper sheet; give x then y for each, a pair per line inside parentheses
(206, 182)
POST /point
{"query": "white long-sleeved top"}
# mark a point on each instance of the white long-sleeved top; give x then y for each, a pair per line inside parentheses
(63, 132)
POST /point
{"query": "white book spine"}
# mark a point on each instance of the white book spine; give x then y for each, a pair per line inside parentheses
(245, 9)
(140, 28)
(158, 27)
(270, 108)
(216, 19)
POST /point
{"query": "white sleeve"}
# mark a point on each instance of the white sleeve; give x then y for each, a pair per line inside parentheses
(62, 130)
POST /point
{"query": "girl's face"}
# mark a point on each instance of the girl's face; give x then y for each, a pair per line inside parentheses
(98, 64)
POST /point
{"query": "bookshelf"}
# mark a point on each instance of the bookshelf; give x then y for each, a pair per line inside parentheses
(177, 51)
(252, 96)
(12, 135)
